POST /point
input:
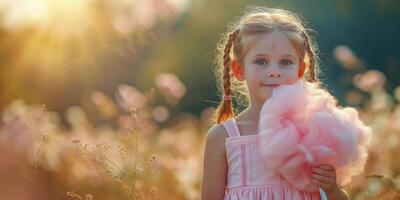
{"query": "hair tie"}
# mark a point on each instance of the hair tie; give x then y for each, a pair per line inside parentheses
(227, 97)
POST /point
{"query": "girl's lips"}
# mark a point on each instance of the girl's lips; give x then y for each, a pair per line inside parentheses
(271, 85)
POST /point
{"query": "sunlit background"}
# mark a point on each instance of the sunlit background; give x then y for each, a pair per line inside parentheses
(112, 99)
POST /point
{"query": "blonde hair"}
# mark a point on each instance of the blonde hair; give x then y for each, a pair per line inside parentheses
(258, 20)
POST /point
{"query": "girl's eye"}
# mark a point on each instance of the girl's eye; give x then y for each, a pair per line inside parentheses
(286, 62)
(261, 62)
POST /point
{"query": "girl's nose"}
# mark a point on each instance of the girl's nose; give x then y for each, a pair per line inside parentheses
(275, 74)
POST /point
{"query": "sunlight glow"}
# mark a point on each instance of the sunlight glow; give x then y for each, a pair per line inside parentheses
(60, 16)
(55, 40)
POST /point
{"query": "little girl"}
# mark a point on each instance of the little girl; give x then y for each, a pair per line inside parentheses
(265, 49)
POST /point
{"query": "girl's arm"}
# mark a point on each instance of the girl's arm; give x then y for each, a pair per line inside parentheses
(214, 165)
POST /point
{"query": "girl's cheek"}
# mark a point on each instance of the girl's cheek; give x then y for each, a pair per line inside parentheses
(291, 79)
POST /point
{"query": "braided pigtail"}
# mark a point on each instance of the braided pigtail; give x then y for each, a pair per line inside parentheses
(311, 57)
(225, 109)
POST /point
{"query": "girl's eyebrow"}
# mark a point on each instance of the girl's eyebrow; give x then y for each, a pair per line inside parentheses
(266, 55)
(289, 55)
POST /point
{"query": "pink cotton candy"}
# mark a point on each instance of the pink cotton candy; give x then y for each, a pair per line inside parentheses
(302, 126)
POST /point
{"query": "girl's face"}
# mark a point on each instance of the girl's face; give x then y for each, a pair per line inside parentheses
(271, 61)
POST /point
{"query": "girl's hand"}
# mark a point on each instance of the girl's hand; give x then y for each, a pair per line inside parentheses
(324, 176)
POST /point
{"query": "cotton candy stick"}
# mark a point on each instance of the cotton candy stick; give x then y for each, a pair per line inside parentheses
(323, 194)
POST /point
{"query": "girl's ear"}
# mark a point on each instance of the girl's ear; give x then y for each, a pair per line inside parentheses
(237, 70)
(302, 69)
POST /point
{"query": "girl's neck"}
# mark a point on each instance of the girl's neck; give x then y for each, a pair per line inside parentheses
(250, 114)
(247, 120)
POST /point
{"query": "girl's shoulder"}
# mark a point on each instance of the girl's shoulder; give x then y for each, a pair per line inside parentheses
(215, 142)
(217, 133)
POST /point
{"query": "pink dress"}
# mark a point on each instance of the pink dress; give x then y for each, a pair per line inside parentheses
(250, 179)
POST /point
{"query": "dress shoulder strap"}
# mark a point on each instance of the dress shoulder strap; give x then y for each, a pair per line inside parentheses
(231, 127)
